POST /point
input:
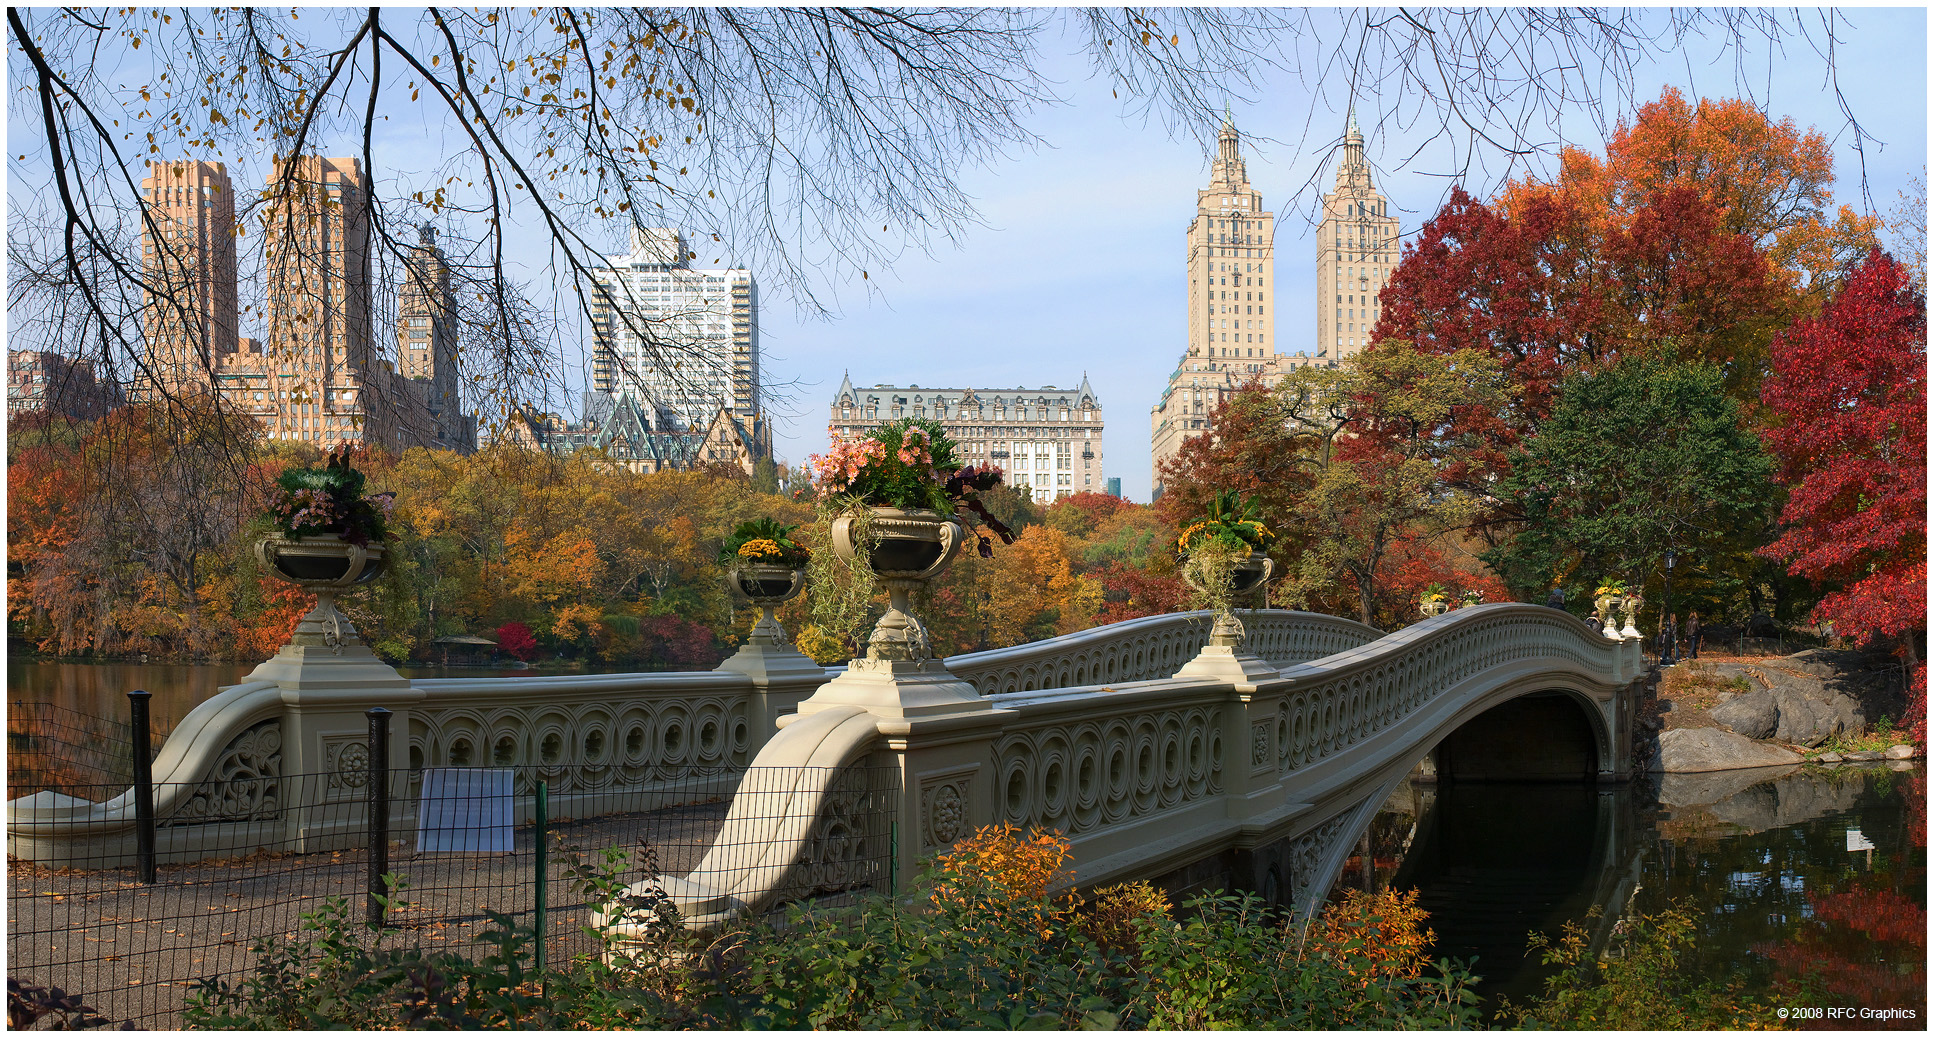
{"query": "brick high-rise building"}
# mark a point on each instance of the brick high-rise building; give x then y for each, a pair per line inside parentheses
(426, 341)
(188, 253)
(317, 378)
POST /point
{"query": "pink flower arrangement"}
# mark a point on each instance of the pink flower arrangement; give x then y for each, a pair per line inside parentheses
(840, 468)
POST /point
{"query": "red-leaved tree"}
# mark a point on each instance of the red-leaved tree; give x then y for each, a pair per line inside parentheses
(516, 639)
(1849, 396)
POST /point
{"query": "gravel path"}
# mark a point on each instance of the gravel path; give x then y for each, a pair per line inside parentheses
(133, 951)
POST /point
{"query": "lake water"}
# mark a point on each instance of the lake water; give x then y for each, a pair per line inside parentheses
(100, 690)
(1789, 870)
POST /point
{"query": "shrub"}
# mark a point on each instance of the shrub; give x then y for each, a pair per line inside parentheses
(1638, 984)
(516, 639)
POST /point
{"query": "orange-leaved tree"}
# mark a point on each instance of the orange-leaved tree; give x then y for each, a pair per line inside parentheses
(1766, 179)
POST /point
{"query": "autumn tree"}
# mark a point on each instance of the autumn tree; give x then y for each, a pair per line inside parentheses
(1636, 458)
(1849, 398)
(1764, 179)
(1549, 290)
(1259, 441)
(1386, 482)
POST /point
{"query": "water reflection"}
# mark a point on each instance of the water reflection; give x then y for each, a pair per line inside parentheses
(100, 690)
(1763, 855)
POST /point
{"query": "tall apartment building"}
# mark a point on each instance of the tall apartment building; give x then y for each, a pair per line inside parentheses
(40, 380)
(188, 258)
(426, 341)
(1048, 439)
(1232, 338)
(1230, 262)
(318, 377)
(1357, 248)
(683, 340)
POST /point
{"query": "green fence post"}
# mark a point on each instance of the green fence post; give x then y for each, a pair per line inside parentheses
(543, 791)
(893, 858)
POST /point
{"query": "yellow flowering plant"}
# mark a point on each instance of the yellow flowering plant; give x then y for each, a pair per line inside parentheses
(764, 542)
(1231, 522)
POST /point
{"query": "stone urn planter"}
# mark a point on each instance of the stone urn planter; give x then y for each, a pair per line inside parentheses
(1432, 607)
(1631, 609)
(909, 546)
(766, 587)
(1248, 573)
(323, 565)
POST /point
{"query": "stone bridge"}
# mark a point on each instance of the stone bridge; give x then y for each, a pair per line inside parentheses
(1158, 748)
(1252, 769)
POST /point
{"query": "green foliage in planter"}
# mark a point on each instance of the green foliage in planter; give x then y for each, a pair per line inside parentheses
(329, 500)
(1230, 520)
(764, 542)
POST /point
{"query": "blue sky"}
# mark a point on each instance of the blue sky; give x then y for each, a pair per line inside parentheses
(1080, 265)
(1077, 266)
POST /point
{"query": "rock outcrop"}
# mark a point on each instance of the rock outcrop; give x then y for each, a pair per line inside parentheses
(1808, 697)
(1712, 750)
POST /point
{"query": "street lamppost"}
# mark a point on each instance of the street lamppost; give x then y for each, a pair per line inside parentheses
(1667, 634)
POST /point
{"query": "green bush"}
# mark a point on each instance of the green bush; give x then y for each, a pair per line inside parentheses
(1638, 983)
(988, 947)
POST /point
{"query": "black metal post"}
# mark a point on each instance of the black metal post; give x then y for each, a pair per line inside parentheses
(543, 825)
(379, 813)
(144, 786)
(1668, 636)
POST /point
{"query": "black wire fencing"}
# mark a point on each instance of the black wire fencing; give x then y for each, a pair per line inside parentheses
(51, 747)
(129, 923)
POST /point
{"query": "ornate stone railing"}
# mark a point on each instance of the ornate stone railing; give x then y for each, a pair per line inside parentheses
(1151, 647)
(264, 762)
(1274, 766)
(1340, 701)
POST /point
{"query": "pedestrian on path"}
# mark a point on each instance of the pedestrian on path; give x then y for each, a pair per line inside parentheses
(1693, 635)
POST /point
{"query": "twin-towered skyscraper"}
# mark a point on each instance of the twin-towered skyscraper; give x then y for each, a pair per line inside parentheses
(1233, 309)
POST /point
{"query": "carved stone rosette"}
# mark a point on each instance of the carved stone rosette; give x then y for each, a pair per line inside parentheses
(910, 546)
(323, 565)
(766, 587)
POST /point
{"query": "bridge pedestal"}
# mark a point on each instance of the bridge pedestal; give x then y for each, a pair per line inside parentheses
(327, 680)
(782, 677)
(937, 733)
(1229, 664)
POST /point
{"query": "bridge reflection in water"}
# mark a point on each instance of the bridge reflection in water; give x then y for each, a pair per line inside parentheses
(1754, 851)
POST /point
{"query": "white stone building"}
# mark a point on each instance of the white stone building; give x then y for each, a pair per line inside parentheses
(684, 339)
(1048, 439)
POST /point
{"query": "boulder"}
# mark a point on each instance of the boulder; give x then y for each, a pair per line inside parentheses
(1713, 750)
(1901, 752)
(1831, 758)
(1810, 712)
(1862, 755)
(1754, 715)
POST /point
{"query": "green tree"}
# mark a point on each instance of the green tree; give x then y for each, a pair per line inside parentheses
(1636, 458)
(1386, 483)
